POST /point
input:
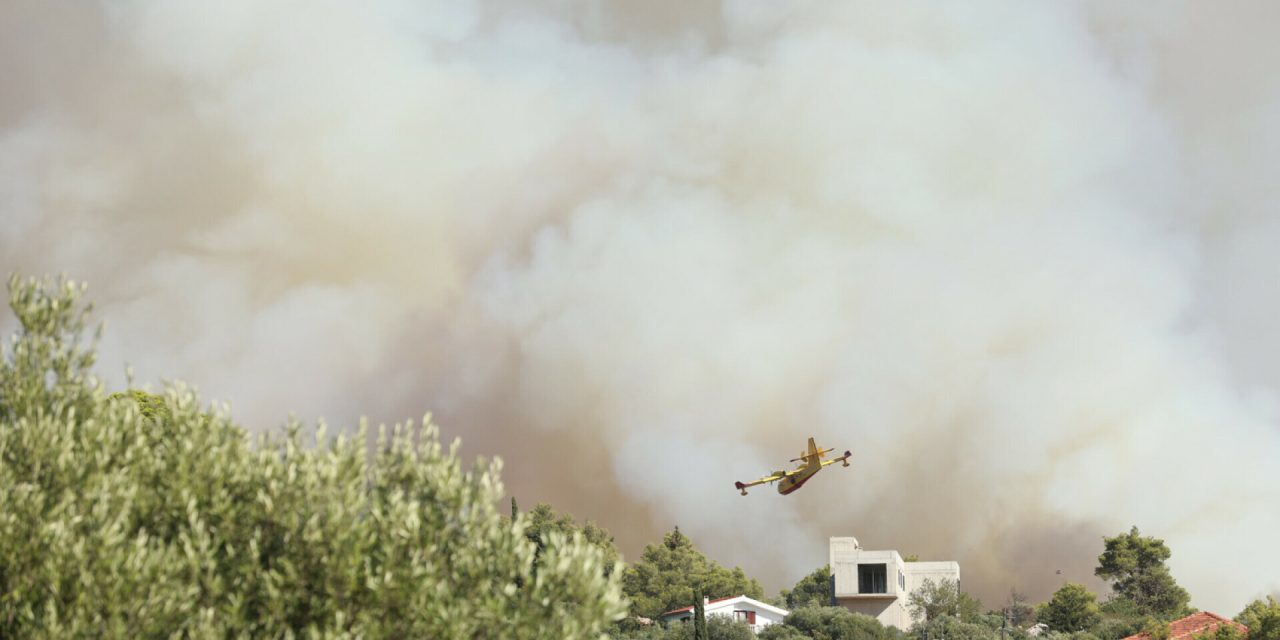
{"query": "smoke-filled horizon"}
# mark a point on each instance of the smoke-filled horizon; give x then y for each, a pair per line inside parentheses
(1019, 258)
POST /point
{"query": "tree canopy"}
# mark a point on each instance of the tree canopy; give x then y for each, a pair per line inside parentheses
(1121, 618)
(543, 521)
(1262, 616)
(942, 598)
(1135, 566)
(953, 628)
(128, 516)
(828, 623)
(717, 628)
(1223, 632)
(666, 574)
(813, 590)
(1072, 608)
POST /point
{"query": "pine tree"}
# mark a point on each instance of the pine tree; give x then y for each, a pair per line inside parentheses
(1135, 566)
(665, 575)
(541, 521)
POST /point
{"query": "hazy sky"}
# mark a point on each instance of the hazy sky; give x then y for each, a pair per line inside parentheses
(1019, 257)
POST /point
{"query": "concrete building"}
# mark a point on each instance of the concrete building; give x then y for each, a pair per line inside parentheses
(753, 612)
(877, 583)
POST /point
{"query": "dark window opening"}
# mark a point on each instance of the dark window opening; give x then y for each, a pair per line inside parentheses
(746, 616)
(872, 578)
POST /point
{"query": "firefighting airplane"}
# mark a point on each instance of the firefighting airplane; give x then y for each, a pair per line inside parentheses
(811, 463)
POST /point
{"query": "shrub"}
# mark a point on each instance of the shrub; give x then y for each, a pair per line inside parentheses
(838, 623)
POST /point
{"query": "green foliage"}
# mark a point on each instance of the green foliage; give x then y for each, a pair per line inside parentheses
(726, 628)
(699, 615)
(952, 628)
(1223, 632)
(781, 632)
(1156, 593)
(1156, 629)
(1263, 619)
(1134, 564)
(833, 623)
(942, 598)
(652, 632)
(968, 607)
(47, 364)
(813, 590)
(151, 406)
(1078, 635)
(1122, 608)
(664, 577)
(123, 518)
(1072, 608)
(1121, 618)
(717, 628)
(1116, 628)
(1131, 553)
(543, 521)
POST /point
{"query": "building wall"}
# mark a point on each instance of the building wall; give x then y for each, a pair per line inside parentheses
(918, 572)
(764, 617)
(901, 579)
(890, 612)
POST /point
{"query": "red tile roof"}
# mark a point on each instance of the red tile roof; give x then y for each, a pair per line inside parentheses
(1194, 624)
(690, 607)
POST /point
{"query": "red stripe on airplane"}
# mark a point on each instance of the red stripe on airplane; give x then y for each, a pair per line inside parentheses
(793, 487)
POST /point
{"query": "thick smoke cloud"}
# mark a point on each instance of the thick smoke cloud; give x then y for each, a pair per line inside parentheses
(1018, 257)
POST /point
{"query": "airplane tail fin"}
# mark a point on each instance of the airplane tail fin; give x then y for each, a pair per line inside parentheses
(813, 455)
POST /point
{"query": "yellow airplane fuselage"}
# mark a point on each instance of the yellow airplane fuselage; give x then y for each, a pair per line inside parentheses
(797, 478)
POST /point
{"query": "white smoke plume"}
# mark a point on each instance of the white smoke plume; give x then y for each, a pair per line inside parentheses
(1020, 258)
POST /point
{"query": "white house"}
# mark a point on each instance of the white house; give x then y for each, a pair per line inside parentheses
(755, 613)
(877, 583)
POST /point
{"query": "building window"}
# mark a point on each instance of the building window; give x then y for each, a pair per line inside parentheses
(746, 616)
(872, 578)
(902, 581)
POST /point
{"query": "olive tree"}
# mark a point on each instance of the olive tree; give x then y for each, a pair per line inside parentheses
(137, 515)
(942, 598)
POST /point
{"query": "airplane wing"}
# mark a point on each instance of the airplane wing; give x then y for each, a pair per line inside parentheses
(844, 458)
(774, 477)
